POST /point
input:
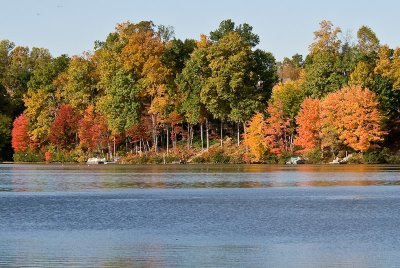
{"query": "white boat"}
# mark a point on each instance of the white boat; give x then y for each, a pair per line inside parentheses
(96, 160)
(295, 161)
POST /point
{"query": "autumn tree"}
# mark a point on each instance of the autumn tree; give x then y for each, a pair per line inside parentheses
(350, 117)
(92, 131)
(309, 126)
(77, 85)
(141, 56)
(362, 75)
(175, 121)
(282, 109)
(140, 134)
(20, 136)
(40, 101)
(254, 137)
(368, 42)
(290, 69)
(323, 64)
(64, 129)
(326, 38)
(277, 130)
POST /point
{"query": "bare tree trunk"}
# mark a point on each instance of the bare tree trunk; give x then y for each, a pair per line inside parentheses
(201, 136)
(154, 134)
(188, 136)
(156, 144)
(191, 135)
(238, 134)
(221, 134)
(245, 131)
(173, 139)
(109, 149)
(114, 149)
(167, 139)
(207, 136)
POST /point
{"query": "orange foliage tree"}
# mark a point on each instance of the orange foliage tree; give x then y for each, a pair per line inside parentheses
(309, 125)
(350, 117)
(277, 131)
(254, 137)
(20, 137)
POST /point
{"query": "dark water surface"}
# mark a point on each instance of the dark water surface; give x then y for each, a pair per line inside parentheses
(199, 216)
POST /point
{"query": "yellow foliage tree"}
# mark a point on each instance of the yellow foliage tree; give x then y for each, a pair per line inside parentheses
(362, 75)
(254, 137)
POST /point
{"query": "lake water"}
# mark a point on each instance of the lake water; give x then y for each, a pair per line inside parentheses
(199, 216)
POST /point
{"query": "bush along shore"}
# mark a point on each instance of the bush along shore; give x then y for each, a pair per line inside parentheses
(144, 96)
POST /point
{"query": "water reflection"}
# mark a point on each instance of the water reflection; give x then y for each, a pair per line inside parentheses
(199, 216)
(64, 178)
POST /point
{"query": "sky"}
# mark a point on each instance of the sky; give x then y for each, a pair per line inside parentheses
(285, 27)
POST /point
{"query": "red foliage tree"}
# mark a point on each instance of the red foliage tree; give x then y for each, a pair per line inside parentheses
(63, 130)
(20, 137)
(92, 130)
(140, 133)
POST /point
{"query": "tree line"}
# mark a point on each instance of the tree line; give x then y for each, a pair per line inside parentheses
(144, 92)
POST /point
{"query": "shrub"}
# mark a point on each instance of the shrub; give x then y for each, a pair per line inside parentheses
(314, 156)
(199, 160)
(220, 158)
(28, 156)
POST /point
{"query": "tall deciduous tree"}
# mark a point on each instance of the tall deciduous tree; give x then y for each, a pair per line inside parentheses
(368, 42)
(92, 131)
(77, 85)
(120, 103)
(231, 90)
(64, 129)
(142, 57)
(254, 137)
(191, 81)
(244, 31)
(324, 72)
(351, 117)
(326, 38)
(309, 126)
(277, 130)
(20, 136)
(282, 109)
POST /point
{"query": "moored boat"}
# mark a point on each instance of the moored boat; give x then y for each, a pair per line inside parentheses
(96, 160)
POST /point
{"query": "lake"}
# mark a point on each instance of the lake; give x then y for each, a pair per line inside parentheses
(199, 216)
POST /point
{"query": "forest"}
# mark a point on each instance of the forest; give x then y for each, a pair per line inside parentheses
(144, 96)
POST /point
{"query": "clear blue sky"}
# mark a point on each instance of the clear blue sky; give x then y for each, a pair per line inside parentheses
(285, 27)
